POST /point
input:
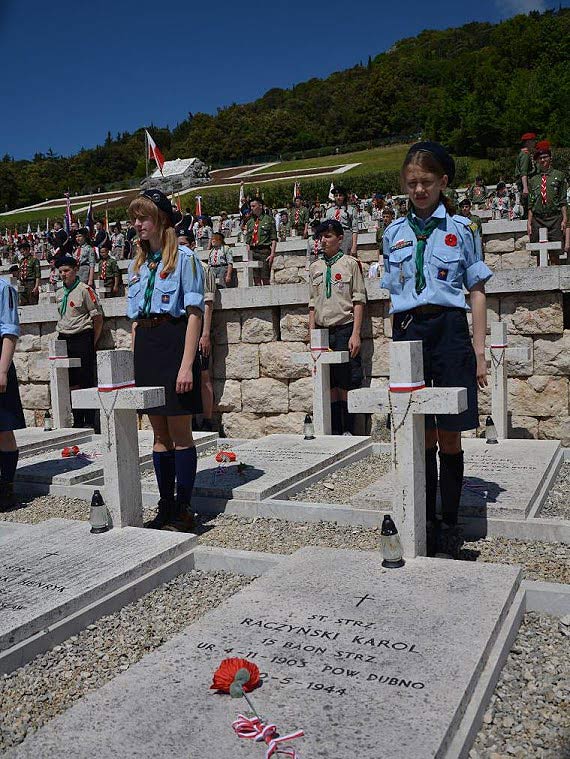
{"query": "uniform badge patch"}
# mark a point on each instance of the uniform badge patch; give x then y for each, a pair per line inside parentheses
(473, 227)
(165, 298)
(442, 274)
(401, 244)
(451, 240)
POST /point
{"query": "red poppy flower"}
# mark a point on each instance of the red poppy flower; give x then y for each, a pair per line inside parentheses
(225, 456)
(338, 276)
(163, 275)
(72, 304)
(226, 672)
(69, 451)
(451, 240)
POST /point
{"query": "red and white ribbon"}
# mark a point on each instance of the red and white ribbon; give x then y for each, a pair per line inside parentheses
(252, 728)
(407, 387)
(121, 386)
(497, 347)
(58, 358)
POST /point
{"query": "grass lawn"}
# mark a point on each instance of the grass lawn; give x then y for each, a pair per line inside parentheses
(32, 217)
(377, 159)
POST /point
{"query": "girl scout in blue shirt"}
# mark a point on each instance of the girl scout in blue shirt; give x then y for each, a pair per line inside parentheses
(166, 303)
(11, 414)
(429, 257)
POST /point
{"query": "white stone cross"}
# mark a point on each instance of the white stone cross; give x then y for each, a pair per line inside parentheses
(59, 364)
(118, 399)
(499, 354)
(408, 400)
(47, 294)
(319, 361)
(543, 246)
(101, 290)
(247, 267)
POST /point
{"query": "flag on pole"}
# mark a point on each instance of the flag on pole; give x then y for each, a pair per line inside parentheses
(154, 152)
(198, 205)
(38, 230)
(47, 225)
(29, 234)
(107, 216)
(68, 214)
(89, 223)
(331, 191)
(178, 203)
(296, 190)
(241, 202)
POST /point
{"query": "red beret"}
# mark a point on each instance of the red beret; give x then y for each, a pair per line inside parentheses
(542, 147)
(528, 136)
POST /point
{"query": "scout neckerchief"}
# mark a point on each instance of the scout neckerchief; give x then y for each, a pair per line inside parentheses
(543, 188)
(255, 233)
(24, 268)
(78, 253)
(297, 215)
(153, 259)
(328, 277)
(103, 273)
(422, 236)
(337, 213)
(66, 293)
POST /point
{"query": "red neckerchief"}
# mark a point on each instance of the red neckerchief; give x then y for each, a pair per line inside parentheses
(337, 213)
(78, 254)
(543, 188)
(103, 274)
(255, 233)
(24, 269)
(297, 214)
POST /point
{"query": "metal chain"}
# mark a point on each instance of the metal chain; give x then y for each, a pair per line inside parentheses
(397, 428)
(107, 415)
(496, 362)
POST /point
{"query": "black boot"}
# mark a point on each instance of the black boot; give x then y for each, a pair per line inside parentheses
(336, 418)
(7, 497)
(347, 420)
(166, 508)
(431, 497)
(182, 518)
(451, 469)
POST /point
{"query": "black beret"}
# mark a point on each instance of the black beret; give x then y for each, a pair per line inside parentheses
(65, 261)
(161, 201)
(439, 153)
(330, 224)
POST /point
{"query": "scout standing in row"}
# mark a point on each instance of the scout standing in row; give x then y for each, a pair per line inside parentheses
(166, 303)
(300, 219)
(346, 216)
(29, 274)
(109, 274)
(221, 261)
(547, 205)
(525, 167)
(80, 324)
(11, 413)
(429, 257)
(261, 239)
(336, 302)
(85, 256)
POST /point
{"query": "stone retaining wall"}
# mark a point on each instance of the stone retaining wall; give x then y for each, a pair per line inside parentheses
(259, 390)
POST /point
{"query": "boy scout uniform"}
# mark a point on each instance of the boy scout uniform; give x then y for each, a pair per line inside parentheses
(477, 194)
(260, 232)
(28, 274)
(525, 166)
(348, 219)
(547, 214)
(108, 270)
(347, 288)
(299, 218)
(85, 257)
(82, 304)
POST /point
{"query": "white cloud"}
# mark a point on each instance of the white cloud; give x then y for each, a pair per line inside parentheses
(522, 6)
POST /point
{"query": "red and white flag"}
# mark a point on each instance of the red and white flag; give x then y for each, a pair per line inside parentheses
(154, 152)
(241, 196)
(296, 190)
(198, 205)
(331, 191)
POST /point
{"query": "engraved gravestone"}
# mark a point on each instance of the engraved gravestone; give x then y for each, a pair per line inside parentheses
(367, 662)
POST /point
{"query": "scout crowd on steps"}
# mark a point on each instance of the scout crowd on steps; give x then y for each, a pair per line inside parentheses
(430, 253)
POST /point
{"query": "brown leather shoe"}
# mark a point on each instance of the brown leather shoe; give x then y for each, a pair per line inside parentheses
(182, 520)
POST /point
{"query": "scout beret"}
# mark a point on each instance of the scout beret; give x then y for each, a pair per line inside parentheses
(65, 261)
(542, 147)
(528, 136)
(330, 224)
(160, 201)
(439, 153)
(84, 231)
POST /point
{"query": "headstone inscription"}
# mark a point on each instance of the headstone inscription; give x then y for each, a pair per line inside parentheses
(543, 247)
(367, 662)
(59, 365)
(319, 360)
(118, 399)
(56, 568)
(499, 354)
(408, 400)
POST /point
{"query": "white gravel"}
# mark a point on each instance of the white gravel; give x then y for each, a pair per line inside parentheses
(342, 485)
(557, 505)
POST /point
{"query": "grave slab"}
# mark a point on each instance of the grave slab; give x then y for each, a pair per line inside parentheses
(273, 463)
(368, 662)
(502, 480)
(54, 569)
(34, 439)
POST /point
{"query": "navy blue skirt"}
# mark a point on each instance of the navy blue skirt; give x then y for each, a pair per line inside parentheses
(11, 413)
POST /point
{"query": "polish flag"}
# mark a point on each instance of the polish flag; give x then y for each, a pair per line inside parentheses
(198, 205)
(241, 201)
(154, 152)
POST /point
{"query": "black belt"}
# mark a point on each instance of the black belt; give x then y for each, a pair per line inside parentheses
(155, 320)
(430, 309)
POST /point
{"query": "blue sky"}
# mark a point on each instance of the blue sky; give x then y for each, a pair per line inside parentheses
(71, 71)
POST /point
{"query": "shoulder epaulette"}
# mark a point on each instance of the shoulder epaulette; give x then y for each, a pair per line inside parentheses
(462, 219)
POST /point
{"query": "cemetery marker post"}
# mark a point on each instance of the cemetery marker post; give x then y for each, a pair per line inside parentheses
(319, 360)
(542, 247)
(498, 355)
(59, 365)
(408, 400)
(117, 398)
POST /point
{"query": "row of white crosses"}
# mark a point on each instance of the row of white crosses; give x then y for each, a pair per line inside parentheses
(542, 247)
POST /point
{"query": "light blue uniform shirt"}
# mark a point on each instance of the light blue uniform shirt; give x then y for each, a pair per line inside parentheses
(9, 319)
(181, 288)
(452, 260)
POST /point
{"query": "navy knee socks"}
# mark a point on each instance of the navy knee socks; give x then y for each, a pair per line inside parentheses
(186, 462)
(8, 464)
(165, 473)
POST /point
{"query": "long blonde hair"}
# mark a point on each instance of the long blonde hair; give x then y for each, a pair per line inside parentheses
(142, 207)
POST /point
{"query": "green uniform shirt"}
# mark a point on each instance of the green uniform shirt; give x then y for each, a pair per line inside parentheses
(477, 194)
(555, 193)
(29, 269)
(266, 231)
(524, 167)
(380, 236)
(298, 218)
(108, 270)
